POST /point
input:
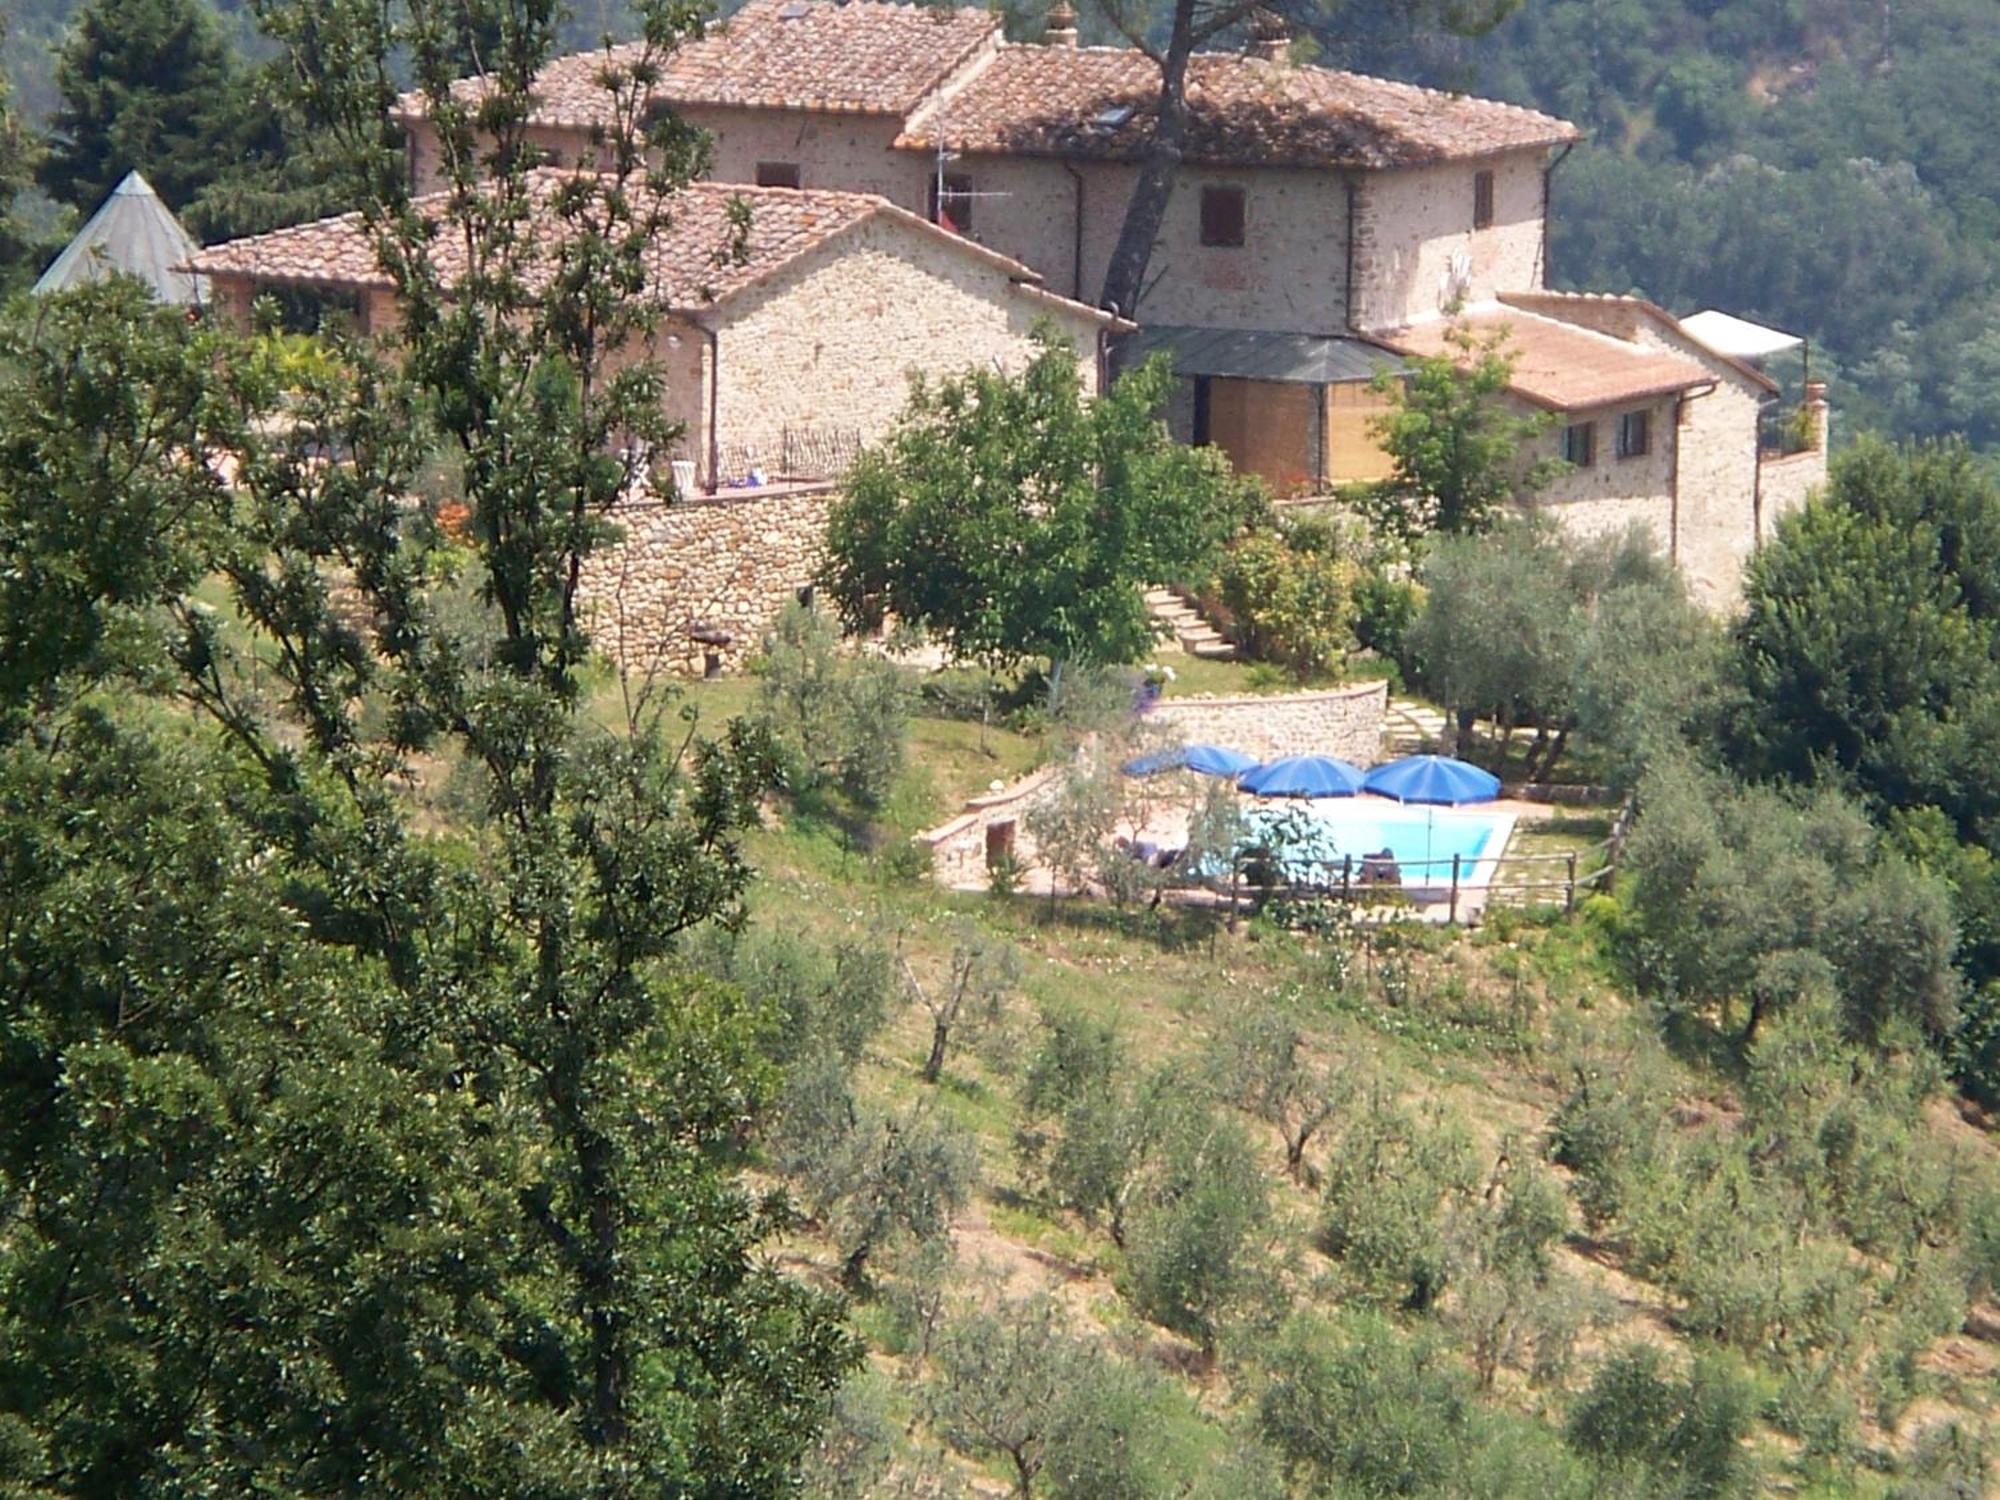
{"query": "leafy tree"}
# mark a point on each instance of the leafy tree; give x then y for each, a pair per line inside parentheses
(871, 1176)
(1454, 440)
(1687, 1431)
(1366, 1411)
(544, 1096)
(1265, 1068)
(1014, 519)
(817, 999)
(1525, 625)
(1069, 1420)
(150, 85)
(1095, 1127)
(1073, 828)
(972, 997)
(836, 718)
(1393, 1181)
(103, 386)
(1867, 647)
(1188, 1239)
(1647, 666)
(20, 154)
(1731, 884)
(1496, 633)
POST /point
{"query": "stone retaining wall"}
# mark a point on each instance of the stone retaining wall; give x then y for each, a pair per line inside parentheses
(730, 562)
(1344, 721)
(959, 848)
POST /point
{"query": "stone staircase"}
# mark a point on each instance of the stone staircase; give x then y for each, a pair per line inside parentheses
(1186, 627)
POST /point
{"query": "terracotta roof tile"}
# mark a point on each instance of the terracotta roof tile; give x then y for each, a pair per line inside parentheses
(692, 265)
(1558, 365)
(1615, 313)
(863, 57)
(1098, 102)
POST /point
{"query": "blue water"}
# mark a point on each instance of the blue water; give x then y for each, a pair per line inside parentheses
(1422, 840)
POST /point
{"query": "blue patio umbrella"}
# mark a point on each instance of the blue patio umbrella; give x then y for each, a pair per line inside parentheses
(1209, 760)
(1303, 776)
(1436, 779)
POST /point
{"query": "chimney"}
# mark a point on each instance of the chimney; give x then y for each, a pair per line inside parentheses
(1817, 415)
(1059, 29)
(1270, 37)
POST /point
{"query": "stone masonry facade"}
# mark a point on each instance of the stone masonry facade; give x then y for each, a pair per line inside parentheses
(726, 565)
(1344, 722)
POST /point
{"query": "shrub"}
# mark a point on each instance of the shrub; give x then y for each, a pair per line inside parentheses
(1187, 1247)
(1366, 1413)
(1291, 597)
(1385, 607)
(1391, 1180)
(837, 718)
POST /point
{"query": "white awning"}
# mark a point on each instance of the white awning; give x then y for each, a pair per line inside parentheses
(1738, 338)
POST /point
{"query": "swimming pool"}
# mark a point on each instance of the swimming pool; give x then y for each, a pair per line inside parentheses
(1317, 836)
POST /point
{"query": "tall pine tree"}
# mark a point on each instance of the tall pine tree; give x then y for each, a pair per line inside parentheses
(146, 85)
(20, 151)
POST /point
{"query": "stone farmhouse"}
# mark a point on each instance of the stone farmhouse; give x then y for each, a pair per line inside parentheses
(922, 191)
(779, 361)
(794, 347)
(1324, 225)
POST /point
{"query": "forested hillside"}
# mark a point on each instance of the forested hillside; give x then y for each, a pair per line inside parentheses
(1822, 166)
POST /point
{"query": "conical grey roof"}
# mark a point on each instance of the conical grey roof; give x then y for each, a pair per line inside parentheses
(132, 231)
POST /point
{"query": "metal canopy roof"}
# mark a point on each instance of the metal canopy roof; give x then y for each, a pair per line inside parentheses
(132, 232)
(1251, 354)
(1738, 338)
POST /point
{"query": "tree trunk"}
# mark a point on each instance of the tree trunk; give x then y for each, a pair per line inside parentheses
(1535, 748)
(934, 1064)
(1554, 755)
(1125, 276)
(1024, 1476)
(854, 1270)
(1756, 1019)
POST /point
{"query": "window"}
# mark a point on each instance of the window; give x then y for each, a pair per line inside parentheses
(1635, 434)
(1482, 199)
(1222, 216)
(951, 202)
(783, 174)
(1580, 444)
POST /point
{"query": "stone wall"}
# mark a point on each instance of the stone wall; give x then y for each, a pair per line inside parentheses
(831, 340)
(1716, 520)
(1344, 722)
(958, 849)
(1787, 481)
(731, 562)
(1411, 224)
